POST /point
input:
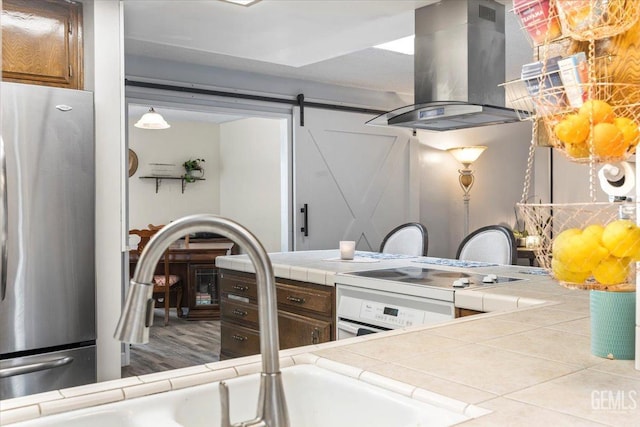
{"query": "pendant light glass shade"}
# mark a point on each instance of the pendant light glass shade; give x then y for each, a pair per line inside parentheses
(152, 120)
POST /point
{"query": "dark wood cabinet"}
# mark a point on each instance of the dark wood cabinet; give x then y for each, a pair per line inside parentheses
(42, 42)
(204, 295)
(197, 269)
(463, 312)
(305, 314)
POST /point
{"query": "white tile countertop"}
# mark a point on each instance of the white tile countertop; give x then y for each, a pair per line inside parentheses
(318, 267)
(528, 360)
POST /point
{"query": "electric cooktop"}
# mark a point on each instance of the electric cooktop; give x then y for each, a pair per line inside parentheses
(434, 278)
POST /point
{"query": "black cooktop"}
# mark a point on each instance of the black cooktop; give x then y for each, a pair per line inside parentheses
(432, 277)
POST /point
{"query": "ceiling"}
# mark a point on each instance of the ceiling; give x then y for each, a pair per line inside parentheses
(326, 41)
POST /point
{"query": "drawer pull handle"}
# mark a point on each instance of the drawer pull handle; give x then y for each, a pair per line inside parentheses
(240, 288)
(239, 312)
(315, 336)
(239, 338)
(296, 299)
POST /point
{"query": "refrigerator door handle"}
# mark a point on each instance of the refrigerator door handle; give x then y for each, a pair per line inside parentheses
(35, 367)
(4, 226)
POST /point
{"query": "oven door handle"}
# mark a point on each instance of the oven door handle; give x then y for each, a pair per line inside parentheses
(348, 327)
(356, 329)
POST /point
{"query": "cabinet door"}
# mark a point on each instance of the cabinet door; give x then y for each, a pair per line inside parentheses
(42, 42)
(296, 331)
(204, 295)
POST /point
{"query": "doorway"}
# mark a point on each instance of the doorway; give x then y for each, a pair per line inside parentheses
(246, 175)
(246, 178)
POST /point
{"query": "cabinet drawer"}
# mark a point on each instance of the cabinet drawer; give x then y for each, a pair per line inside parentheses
(309, 299)
(237, 285)
(239, 340)
(238, 312)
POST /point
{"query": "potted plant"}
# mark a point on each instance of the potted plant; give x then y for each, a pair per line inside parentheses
(520, 231)
(193, 169)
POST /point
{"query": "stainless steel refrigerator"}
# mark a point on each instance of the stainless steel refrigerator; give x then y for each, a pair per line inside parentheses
(47, 222)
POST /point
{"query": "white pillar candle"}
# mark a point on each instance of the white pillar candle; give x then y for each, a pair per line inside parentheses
(347, 249)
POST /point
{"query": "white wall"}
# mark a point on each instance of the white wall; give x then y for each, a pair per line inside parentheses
(572, 182)
(250, 177)
(182, 141)
(499, 180)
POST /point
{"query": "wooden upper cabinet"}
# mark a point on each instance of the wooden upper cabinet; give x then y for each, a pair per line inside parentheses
(42, 42)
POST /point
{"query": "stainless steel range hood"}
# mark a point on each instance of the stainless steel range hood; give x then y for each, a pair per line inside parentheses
(458, 64)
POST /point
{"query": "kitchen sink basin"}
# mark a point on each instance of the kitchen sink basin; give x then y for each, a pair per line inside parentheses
(315, 397)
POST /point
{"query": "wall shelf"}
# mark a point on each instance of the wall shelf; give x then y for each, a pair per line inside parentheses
(181, 178)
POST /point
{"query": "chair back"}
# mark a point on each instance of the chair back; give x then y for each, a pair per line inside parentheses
(145, 235)
(406, 239)
(492, 243)
(163, 284)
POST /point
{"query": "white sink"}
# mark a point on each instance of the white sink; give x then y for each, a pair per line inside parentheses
(315, 397)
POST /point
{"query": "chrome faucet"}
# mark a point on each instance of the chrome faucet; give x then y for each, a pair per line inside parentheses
(137, 314)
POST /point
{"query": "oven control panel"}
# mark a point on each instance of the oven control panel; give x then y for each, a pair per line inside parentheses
(391, 315)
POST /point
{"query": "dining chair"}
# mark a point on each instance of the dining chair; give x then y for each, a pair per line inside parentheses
(406, 239)
(161, 291)
(492, 243)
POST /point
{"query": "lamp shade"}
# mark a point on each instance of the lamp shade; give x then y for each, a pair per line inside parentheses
(152, 120)
(467, 155)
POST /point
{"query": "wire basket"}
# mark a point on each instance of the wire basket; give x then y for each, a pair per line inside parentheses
(585, 245)
(550, 92)
(604, 128)
(519, 99)
(537, 96)
(597, 19)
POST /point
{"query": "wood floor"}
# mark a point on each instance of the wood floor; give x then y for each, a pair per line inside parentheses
(180, 344)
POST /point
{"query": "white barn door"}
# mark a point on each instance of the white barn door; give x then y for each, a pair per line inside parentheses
(356, 181)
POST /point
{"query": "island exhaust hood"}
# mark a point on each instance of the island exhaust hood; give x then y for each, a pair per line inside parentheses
(459, 62)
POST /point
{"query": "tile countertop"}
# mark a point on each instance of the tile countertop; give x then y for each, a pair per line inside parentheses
(527, 360)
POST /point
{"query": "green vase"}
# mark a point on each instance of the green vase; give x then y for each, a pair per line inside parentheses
(613, 317)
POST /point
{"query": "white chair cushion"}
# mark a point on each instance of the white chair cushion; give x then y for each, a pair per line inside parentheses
(159, 280)
(407, 241)
(489, 246)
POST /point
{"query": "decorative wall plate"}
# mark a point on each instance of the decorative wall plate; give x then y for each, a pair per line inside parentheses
(133, 162)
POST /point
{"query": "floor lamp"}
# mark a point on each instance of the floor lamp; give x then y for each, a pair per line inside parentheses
(466, 156)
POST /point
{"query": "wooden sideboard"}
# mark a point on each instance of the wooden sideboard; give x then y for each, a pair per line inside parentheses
(196, 267)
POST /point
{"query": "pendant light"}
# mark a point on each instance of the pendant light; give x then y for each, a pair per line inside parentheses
(152, 120)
